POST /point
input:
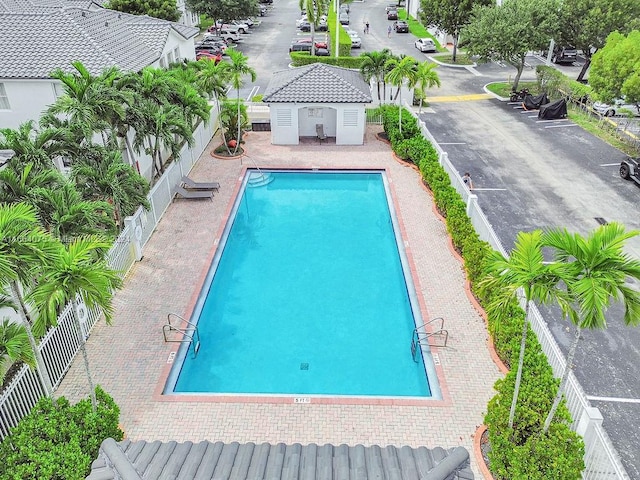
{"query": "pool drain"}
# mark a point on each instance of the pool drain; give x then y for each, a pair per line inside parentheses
(304, 366)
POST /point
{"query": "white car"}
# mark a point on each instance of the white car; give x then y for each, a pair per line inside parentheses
(619, 107)
(234, 26)
(356, 42)
(426, 45)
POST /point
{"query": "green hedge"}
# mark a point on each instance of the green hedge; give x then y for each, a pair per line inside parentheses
(521, 453)
(57, 440)
(557, 85)
(299, 59)
(343, 38)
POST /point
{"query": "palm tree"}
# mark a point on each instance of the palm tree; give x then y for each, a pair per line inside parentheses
(525, 269)
(212, 78)
(400, 71)
(373, 67)
(109, 179)
(31, 145)
(77, 271)
(14, 346)
(24, 248)
(194, 106)
(22, 183)
(595, 271)
(314, 10)
(238, 68)
(426, 77)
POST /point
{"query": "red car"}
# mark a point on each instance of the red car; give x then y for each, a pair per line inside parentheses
(209, 56)
(319, 43)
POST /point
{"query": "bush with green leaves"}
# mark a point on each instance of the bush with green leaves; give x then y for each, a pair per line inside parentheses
(57, 440)
(299, 59)
(521, 453)
(557, 85)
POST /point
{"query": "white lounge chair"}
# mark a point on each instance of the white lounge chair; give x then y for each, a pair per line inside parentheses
(191, 185)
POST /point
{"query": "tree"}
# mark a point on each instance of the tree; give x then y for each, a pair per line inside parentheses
(595, 271)
(426, 77)
(31, 145)
(165, 9)
(374, 67)
(524, 270)
(22, 183)
(508, 31)
(14, 346)
(77, 271)
(24, 248)
(450, 16)
(314, 10)
(587, 23)
(614, 71)
(238, 69)
(225, 10)
(398, 72)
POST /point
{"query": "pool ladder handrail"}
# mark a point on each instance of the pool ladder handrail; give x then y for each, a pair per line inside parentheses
(421, 336)
(189, 334)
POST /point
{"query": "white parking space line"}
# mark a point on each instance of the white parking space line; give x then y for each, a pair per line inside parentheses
(610, 164)
(562, 126)
(614, 399)
(474, 71)
(533, 116)
(557, 120)
(454, 143)
(489, 190)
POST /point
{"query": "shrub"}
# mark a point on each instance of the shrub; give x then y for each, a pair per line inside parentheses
(229, 119)
(299, 59)
(57, 440)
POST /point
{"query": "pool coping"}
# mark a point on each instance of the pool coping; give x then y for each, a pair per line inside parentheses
(445, 399)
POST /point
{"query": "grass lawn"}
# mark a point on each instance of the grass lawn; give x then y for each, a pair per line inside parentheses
(596, 127)
(504, 88)
(461, 58)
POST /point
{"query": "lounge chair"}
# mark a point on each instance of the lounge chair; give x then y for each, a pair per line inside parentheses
(191, 185)
(320, 132)
(194, 194)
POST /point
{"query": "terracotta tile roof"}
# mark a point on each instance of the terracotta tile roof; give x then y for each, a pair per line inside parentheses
(139, 460)
(317, 83)
(36, 37)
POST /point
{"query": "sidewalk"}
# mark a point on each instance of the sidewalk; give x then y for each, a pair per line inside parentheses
(128, 358)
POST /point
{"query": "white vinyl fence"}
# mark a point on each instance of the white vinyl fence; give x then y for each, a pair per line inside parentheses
(601, 459)
(61, 343)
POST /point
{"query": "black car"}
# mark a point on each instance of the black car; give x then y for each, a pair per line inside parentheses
(262, 10)
(392, 15)
(401, 26)
(562, 54)
(266, 1)
(300, 47)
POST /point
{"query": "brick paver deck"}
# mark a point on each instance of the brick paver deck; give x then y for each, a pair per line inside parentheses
(128, 358)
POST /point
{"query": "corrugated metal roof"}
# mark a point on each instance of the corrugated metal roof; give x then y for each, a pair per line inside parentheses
(317, 83)
(37, 39)
(206, 460)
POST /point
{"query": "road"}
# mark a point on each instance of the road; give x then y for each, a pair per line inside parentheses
(527, 174)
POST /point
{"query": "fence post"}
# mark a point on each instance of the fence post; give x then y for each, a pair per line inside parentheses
(443, 157)
(590, 418)
(135, 230)
(471, 200)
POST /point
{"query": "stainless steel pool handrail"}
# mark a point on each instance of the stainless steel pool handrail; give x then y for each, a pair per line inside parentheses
(191, 333)
(421, 336)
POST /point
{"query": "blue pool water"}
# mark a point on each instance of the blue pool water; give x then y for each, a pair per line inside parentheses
(307, 295)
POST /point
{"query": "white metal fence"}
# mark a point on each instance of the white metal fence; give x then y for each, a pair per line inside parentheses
(61, 343)
(601, 459)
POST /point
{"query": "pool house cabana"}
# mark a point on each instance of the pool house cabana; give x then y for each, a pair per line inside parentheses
(317, 98)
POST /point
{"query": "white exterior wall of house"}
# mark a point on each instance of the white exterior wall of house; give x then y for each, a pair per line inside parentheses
(289, 121)
(28, 99)
(188, 18)
(176, 49)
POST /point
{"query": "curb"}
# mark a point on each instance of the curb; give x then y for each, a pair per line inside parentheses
(226, 157)
(450, 65)
(477, 452)
(486, 90)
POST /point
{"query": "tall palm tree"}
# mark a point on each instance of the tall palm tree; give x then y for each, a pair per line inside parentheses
(504, 277)
(212, 78)
(24, 249)
(14, 346)
(401, 71)
(22, 183)
(238, 69)
(373, 67)
(77, 271)
(90, 101)
(194, 106)
(426, 77)
(32, 145)
(314, 10)
(109, 179)
(595, 272)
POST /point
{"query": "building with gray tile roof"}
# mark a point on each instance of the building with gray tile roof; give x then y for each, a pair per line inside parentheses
(205, 460)
(317, 82)
(38, 36)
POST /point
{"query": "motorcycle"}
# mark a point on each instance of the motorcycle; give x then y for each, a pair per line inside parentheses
(518, 96)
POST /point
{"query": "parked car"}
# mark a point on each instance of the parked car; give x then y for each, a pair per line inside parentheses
(356, 42)
(401, 26)
(344, 18)
(229, 35)
(204, 55)
(562, 54)
(322, 52)
(319, 43)
(236, 27)
(425, 45)
(619, 107)
(262, 10)
(392, 15)
(306, 27)
(394, 6)
(268, 2)
(344, 8)
(630, 169)
(208, 43)
(300, 47)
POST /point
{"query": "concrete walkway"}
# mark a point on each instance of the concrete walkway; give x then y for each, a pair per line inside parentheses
(129, 357)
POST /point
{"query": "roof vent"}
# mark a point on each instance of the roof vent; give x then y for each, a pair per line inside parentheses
(84, 14)
(106, 24)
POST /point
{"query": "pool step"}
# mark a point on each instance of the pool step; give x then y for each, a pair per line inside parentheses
(259, 179)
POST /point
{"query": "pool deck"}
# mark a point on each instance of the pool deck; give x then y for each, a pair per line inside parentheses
(129, 358)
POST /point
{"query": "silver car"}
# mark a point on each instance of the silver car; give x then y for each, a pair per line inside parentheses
(426, 45)
(619, 107)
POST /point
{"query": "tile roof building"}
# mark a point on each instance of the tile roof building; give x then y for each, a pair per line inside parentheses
(316, 98)
(139, 460)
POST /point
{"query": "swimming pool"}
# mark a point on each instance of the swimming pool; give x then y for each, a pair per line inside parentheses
(309, 293)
